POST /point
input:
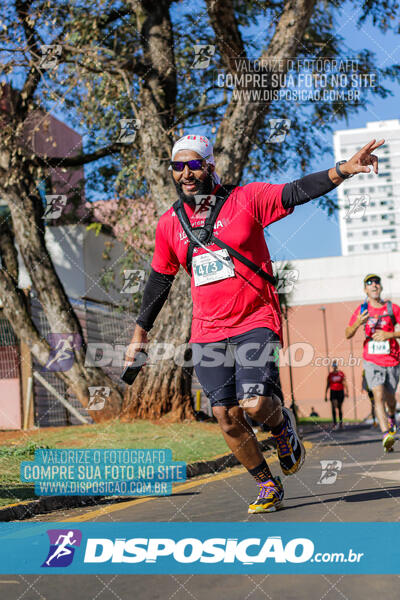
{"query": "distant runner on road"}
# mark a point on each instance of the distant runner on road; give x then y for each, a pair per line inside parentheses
(336, 383)
(236, 326)
(381, 353)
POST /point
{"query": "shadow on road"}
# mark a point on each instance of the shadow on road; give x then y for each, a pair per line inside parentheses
(359, 496)
(351, 443)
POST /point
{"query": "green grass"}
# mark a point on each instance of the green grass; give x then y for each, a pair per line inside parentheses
(304, 420)
(189, 442)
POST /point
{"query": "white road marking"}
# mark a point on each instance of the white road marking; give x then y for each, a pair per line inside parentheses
(373, 463)
(389, 475)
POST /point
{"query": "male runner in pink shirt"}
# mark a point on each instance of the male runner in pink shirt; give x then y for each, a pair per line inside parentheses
(236, 328)
(381, 353)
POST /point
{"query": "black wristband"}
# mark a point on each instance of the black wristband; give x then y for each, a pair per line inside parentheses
(339, 172)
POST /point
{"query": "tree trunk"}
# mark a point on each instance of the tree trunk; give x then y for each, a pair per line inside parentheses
(157, 96)
(166, 386)
(29, 235)
(242, 118)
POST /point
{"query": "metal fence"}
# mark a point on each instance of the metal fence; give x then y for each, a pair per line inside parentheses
(9, 354)
(100, 324)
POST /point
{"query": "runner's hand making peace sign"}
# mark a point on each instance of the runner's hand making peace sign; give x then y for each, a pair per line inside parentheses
(359, 163)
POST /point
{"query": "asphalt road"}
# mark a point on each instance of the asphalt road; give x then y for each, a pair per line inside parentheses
(361, 483)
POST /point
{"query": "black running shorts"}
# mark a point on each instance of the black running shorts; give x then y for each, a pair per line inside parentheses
(242, 366)
(337, 395)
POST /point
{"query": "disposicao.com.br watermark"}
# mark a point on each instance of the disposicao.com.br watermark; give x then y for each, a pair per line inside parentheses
(198, 547)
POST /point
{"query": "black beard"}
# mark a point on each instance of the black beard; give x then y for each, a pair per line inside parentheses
(204, 188)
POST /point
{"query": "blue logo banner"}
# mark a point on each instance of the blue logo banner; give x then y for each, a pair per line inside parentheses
(149, 548)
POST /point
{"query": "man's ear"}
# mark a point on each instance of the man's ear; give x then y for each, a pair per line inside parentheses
(210, 168)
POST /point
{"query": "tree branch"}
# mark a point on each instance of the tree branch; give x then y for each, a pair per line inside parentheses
(157, 41)
(114, 15)
(32, 38)
(77, 161)
(227, 35)
(15, 309)
(15, 305)
(200, 109)
(8, 251)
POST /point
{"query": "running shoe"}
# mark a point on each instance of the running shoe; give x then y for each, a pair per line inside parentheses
(291, 452)
(388, 441)
(392, 424)
(270, 497)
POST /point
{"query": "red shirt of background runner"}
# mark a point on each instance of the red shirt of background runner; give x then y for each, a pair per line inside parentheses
(336, 380)
(384, 360)
(234, 305)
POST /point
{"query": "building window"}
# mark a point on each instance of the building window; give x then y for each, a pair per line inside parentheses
(351, 248)
(366, 246)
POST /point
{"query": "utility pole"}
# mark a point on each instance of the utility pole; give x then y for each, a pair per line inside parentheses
(353, 380)
(325, 334)
(292, 405)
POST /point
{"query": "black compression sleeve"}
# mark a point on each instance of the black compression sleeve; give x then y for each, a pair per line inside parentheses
(305, 189)
(154, 296)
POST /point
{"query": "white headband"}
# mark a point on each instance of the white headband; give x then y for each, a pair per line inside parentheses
(199, 144)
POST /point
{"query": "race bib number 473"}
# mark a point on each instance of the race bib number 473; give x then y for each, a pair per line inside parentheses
(207, 269)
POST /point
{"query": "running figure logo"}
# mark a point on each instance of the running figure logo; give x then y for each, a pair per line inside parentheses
(62, 353)
(54, 205)
(50, 56)
(128, 129)
(204, 204)
(357, 206)
(286, 280)
(134, 280)
(279, 130)
(251, 391)
(97, 397)
(203, 55)
(62, 547)
(330, 471)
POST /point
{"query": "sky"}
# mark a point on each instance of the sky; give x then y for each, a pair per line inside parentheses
(309, 232)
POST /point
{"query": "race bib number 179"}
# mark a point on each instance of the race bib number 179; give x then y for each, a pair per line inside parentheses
(379, 347)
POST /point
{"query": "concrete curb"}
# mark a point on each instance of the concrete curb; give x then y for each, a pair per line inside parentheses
(27, 509)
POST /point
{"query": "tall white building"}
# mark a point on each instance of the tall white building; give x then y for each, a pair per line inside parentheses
(369, 204)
